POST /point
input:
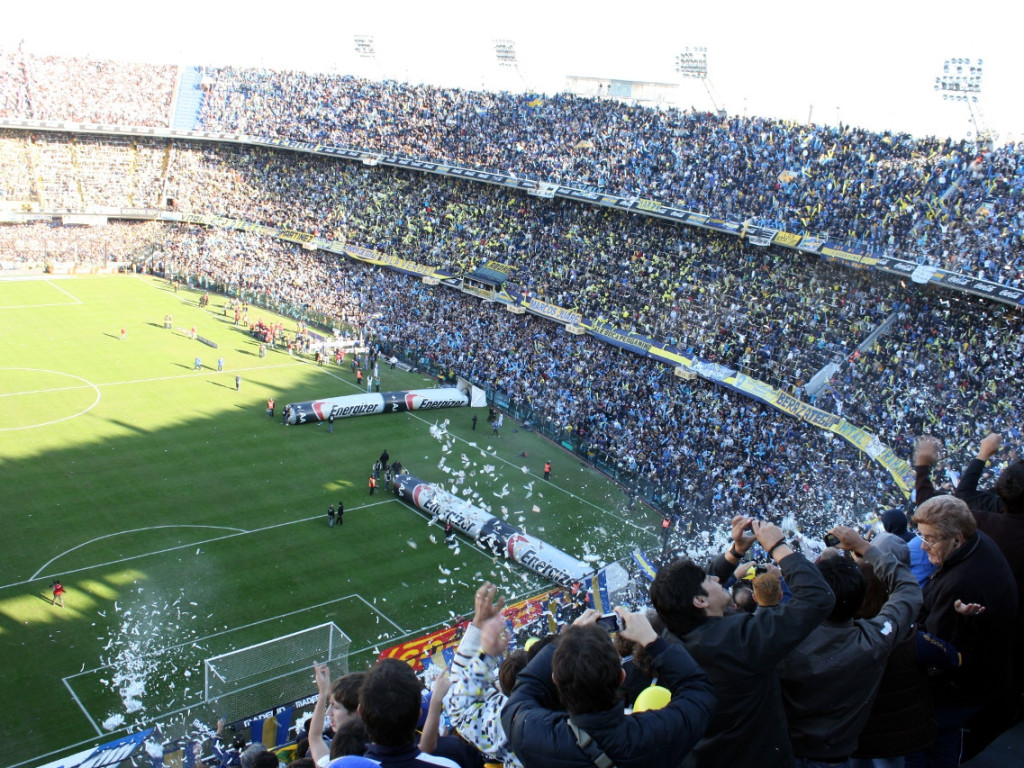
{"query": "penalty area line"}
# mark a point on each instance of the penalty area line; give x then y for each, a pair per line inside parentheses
(81, 706)
(379, 612)
(66, 293)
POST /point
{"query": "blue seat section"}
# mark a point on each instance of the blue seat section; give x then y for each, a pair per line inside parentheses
(190, 99)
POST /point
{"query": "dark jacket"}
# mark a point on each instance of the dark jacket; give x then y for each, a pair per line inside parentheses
(541, 738)
(1003, 524)
(902, 717)
(740, 652)
(830, 680)
(980, 501)
(977, 572)
(924, 488)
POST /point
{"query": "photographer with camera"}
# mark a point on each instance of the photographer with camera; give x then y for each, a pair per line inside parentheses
(740, 651)
(583, 671)
(829, 682)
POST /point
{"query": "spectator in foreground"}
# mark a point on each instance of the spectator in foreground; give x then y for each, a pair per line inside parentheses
(970, 604)
(740, 651)
(345, 700)
(999, 513)
(901, 720)
(583, 671)
(830, 680)
(389, 703)
(768, 589)
(475, 700)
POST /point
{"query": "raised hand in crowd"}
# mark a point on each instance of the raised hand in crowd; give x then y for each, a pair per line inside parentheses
(850, 540)
(485, 604)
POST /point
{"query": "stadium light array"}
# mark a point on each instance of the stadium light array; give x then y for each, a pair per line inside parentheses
(364, 46)
(961, 81)
(505, 51)
(960, 76)
(693, 62)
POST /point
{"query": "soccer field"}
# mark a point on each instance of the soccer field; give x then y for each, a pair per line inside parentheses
(184, 523)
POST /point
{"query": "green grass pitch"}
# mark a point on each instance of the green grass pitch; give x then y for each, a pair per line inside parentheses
(185, 523)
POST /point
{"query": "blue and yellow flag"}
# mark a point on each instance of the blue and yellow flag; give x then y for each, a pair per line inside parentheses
(646, 566)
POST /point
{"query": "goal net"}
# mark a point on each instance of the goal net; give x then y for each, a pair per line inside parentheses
(261, 676)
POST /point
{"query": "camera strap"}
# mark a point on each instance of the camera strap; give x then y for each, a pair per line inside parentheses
(590, 747)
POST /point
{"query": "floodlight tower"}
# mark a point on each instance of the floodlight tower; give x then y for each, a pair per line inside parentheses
(961, 81)
(692, 64)
(366, 48)
(505, 54)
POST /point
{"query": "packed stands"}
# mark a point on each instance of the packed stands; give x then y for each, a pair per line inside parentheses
(939, 202)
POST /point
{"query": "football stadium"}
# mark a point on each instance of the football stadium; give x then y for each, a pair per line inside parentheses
(294, 364)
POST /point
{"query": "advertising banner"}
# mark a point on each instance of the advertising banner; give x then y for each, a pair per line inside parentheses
(498, 537)
(444, 641)
(313, 411)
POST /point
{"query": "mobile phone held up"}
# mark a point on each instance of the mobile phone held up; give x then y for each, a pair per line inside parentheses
(831, 540)
(611, 622)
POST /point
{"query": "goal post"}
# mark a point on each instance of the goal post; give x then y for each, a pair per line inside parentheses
(263, 675)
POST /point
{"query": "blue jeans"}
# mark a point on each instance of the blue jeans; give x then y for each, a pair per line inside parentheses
(949, 741)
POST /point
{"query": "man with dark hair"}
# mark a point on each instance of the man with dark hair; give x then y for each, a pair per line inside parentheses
(264, 759)
(344, 701)
(583, 671)
(586, 669)
(739, 651)
(830, 680)
(389, 702)
(389, 705)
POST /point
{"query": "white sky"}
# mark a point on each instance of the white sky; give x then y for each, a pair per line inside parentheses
(871, 63)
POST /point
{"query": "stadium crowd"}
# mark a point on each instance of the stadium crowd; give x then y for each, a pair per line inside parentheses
(940, 202)
(775, 315)
(85, 90)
